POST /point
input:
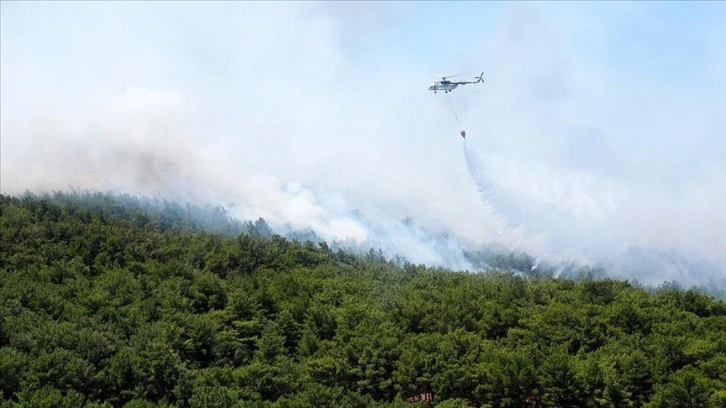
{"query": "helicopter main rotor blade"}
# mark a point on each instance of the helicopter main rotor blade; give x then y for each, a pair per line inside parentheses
(456, 75)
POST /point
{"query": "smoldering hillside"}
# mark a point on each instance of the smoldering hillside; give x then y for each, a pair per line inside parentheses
(306, 116)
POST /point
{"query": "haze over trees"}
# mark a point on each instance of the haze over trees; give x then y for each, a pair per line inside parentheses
(112, 301)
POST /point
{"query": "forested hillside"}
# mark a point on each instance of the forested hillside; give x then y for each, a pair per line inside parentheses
(110, 302)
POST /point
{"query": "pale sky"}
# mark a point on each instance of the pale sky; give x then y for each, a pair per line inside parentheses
(304, 113)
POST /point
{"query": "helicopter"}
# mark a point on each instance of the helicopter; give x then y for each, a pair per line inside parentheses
(447, 86)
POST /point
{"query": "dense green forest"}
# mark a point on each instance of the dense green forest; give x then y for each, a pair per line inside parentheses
(108, 301)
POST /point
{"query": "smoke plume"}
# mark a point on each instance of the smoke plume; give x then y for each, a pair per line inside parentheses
(315, 116)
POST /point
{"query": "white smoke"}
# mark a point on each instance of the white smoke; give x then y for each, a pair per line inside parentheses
(591, 219)
(312, 115)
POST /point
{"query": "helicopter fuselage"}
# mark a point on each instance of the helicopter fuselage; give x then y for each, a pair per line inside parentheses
(446, 86)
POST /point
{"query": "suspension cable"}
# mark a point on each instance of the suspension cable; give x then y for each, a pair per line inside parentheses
(454, 110)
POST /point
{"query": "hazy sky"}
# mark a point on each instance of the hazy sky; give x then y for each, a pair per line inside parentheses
(304, 112)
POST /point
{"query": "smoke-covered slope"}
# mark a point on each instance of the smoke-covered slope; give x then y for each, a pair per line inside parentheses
(403, 242)
(585, 160)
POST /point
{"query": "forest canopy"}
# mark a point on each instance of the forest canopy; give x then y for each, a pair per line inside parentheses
(115, 301)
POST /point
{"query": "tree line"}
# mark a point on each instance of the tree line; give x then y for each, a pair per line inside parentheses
(108, 301)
